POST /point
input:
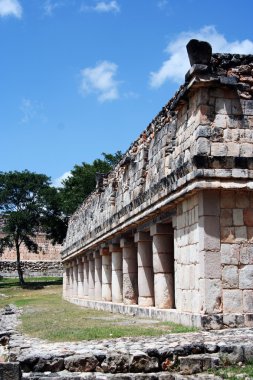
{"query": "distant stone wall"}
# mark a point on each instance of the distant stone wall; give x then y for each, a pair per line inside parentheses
(31, 268)
(46, 252)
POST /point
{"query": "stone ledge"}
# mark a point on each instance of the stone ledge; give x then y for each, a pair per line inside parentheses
(205, 322)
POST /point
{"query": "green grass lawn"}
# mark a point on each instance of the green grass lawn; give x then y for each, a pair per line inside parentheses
(235, 372)
(46, 315)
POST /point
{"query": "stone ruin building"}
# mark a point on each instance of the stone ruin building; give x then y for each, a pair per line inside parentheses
(168, 233)
(47, 262)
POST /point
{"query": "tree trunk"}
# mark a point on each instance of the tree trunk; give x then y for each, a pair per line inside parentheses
(19, 269)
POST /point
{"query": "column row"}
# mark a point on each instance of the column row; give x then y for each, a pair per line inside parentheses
(136, 270)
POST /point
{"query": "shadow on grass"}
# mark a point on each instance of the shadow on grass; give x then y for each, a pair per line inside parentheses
(32, 284)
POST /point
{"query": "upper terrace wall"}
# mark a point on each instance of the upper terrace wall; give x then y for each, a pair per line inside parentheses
(204, 132)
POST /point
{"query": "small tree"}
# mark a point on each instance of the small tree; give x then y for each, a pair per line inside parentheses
(83, 180)
(28, 205)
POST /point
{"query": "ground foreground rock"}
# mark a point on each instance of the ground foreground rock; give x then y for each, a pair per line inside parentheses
(170, 357)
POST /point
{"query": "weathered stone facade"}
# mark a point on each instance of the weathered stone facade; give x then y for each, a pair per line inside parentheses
(168, 233)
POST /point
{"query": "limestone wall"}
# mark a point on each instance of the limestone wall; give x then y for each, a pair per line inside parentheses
(214, 253)
(31, 268)
(237, 251)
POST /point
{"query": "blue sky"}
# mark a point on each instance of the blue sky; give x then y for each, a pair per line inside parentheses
(82, 77)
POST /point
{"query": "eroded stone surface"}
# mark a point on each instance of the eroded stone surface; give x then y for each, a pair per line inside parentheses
(128, 358)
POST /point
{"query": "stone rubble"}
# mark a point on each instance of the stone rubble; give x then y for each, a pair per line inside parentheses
(170, 357)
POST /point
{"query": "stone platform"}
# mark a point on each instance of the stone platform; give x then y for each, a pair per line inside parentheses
(173, 356)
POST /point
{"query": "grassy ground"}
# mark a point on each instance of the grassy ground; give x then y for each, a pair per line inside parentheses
(235, 372)
(49, 317)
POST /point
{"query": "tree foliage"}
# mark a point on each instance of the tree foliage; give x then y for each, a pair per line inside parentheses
(82, 180)
(28, 204)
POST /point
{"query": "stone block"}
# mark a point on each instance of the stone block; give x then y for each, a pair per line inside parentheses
(248, 301)
(246, 254)
(242, 199)
(231, 354)
(246, 277)
(230, 277)
(221, 121)
(226, 217)
(248, 217)
(82, 363)
(202, 131)
(246, 150)
(232, 301)
(219, 149)
(233, 149)
(227, 234)
(209, 265)
(194, 364)
(238, 217)
(230, 254)
(209, 203)
(233, 320)
(211, 296)
(241, 233)
(227, 199)
(209, 228)
(202, 147)
(223, 106)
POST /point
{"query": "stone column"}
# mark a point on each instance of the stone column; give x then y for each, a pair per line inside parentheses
(70, 292)
(65, 280)
(106, 274)
(163, 264)
(98, 276)
(145, 269)
(117, 278)
(75, 278)
(85, 276)
(80, 278)
(130, 271)
(91, 291)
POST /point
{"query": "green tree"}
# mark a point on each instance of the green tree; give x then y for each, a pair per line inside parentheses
(82, 180)
(28, 204)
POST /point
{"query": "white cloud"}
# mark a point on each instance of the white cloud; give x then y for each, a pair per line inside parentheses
(176, 66)
(10, 8)
(57, 182)
(102, 7)
(101, 81)
(162, 4)
(31, 111)
(50, 5)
